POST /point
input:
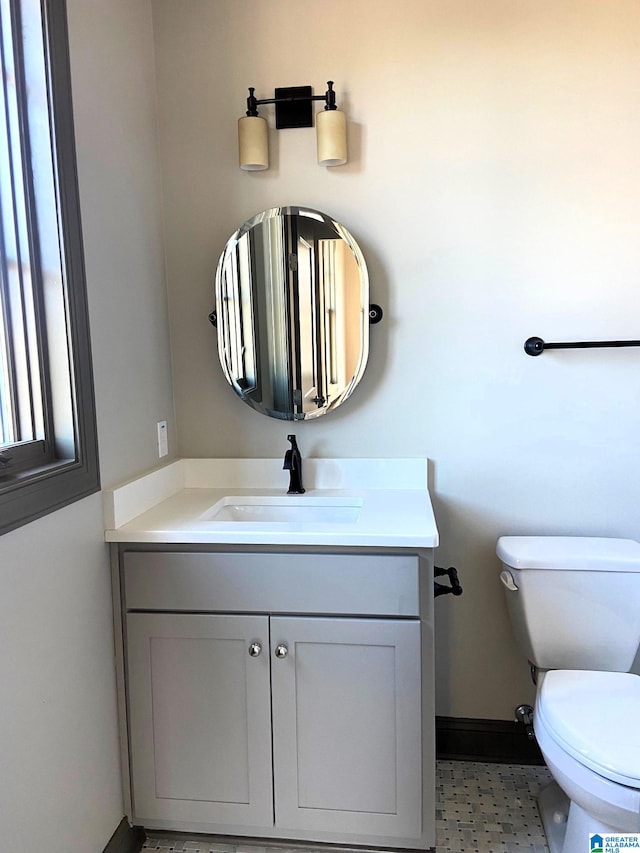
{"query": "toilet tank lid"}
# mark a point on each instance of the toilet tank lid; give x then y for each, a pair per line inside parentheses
(579, 553)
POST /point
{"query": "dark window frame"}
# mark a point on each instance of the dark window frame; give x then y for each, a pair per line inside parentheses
(28, 493)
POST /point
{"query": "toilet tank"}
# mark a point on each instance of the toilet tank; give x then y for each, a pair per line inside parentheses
(574, 602)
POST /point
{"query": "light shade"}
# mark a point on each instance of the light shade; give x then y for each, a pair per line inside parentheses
(331, 132)
(253, 143)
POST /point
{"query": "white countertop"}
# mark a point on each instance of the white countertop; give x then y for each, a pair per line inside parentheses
(171, 504)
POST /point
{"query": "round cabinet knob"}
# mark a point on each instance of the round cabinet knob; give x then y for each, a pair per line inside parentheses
(255, 649)
(281, 651)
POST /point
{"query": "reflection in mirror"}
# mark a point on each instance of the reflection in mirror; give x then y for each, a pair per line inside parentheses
(292, 296)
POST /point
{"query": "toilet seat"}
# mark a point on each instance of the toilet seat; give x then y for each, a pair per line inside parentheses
(594, 717)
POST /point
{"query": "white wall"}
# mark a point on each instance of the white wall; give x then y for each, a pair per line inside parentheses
(494, 186)
(116, 131)
(60, 782)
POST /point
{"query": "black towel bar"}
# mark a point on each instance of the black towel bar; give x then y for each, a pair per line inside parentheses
(536, 346)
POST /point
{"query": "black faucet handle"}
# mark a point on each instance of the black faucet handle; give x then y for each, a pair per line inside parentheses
(293, 464)
(288, 454)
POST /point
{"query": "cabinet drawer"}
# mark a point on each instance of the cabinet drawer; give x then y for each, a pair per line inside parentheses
(359, 584)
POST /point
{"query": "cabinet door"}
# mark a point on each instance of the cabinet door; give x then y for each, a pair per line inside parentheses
(199, 712)
(347, 725)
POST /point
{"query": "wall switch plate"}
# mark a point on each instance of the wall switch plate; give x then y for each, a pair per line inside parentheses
(163, 439)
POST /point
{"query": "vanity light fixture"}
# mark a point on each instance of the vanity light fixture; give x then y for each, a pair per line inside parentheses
(293, 109)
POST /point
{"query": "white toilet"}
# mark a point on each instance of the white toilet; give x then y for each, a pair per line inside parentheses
(575, 607)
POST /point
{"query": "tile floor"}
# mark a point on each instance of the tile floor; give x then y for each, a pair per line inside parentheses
(488, 808)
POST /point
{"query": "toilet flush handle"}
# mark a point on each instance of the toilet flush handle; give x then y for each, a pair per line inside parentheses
(507, 579)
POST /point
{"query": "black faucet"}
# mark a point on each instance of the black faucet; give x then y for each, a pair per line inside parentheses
(293, 464)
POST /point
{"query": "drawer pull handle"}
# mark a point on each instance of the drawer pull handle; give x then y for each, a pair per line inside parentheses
(255, 649)
(281, 651)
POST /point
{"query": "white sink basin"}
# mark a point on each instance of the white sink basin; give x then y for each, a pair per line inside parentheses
(287, 509)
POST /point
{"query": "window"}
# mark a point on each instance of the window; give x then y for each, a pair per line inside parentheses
(48, 448)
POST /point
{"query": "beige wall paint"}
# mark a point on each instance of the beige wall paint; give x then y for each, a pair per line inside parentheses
(60, 786)
(118, 164)
(494, 186)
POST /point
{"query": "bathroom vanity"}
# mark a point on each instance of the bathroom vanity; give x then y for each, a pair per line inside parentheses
(275, 652)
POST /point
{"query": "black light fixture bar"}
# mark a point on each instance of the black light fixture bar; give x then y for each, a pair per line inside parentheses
(536, 346)
(293, 104)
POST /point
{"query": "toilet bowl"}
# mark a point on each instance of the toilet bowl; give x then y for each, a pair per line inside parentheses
(593, 752)
(574, 603)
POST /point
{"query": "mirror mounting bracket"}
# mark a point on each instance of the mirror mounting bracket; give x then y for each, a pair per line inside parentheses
(375, 315)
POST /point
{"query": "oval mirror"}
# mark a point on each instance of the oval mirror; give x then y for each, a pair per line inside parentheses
(292, 302)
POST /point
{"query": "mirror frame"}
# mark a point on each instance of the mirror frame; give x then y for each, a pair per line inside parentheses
(239, 349)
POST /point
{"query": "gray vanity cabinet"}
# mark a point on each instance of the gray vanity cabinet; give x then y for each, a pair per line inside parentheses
(346, 723)
(281, 698)
(200, 718)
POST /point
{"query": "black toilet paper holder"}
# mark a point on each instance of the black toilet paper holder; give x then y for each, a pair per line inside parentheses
(442, 589)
